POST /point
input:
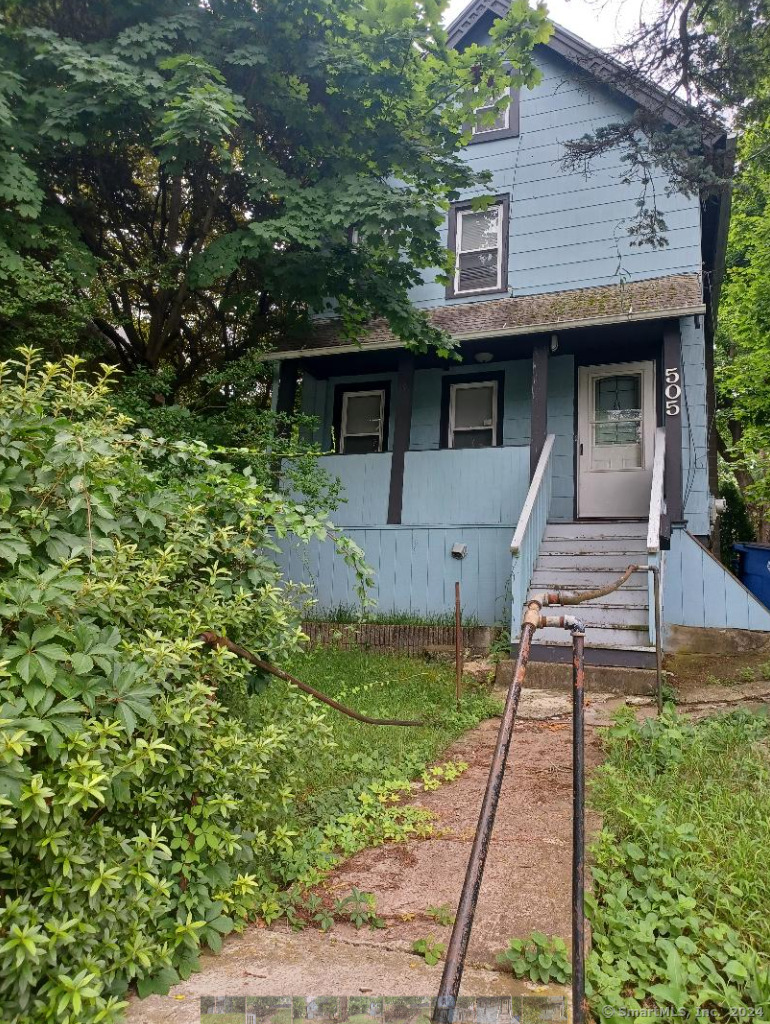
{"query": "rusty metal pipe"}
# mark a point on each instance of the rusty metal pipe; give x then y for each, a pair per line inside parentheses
(214, 640)
(578, 826)
(461, 932)
(581, 596)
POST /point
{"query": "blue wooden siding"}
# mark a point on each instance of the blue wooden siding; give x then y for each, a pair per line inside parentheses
(415, 571)
(699, 591)
(426, 403)
(695, 482)
(365, 483)
(568, 230)
(485, 487)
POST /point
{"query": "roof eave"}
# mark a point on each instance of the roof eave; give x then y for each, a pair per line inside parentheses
(601, 66)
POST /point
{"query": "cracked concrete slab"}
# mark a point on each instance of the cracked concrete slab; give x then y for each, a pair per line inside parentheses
(526, 886)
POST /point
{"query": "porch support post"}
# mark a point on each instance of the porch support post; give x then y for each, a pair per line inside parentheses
(673, 403)
(401, 434)
(539, 413)
(285, 385)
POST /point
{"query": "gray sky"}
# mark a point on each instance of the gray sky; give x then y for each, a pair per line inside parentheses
(601, 22)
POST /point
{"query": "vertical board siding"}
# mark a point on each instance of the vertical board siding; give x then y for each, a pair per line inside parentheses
(568, 230)
(699, 591)
(365, 483)
(695, 481)
(484, 486)
(414, 570)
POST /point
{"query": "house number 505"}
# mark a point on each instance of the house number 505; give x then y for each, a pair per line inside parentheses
(673, 392)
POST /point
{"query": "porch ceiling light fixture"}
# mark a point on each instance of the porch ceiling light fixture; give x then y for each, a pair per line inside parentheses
(554, 342)
(483, 357)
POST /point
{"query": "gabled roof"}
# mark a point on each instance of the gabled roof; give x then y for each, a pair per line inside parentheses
(599, 65)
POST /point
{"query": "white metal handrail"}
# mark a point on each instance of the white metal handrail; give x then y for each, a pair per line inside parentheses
(532, 496)
(657, 502)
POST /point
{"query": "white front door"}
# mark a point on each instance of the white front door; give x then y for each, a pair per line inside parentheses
(616, 437)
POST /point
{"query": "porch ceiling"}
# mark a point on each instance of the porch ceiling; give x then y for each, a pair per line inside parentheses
(653, 299)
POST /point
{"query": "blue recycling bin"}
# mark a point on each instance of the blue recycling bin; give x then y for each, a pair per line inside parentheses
(754, 569)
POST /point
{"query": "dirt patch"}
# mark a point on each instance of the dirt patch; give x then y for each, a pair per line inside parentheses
(527, 877)
(692, 672)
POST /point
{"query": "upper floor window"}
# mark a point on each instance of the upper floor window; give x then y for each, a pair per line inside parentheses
(361, 419)
(502, 123)
(479, 239)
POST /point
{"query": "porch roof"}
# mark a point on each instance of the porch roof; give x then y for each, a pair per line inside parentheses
(654, 299)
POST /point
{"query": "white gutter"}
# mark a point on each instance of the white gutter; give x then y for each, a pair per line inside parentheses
(501, 332)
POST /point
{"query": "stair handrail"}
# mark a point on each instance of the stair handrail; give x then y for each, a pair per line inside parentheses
(522, 527)
(657, 501)
(525, 545)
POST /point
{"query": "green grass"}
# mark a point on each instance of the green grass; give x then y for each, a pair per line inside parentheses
(347, 614)
(222, 1018)
(281, 1016)
(681, 903)
(385, 686)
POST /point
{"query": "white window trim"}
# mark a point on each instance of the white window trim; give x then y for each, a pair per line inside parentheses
(483, 130)
(453, 389)
(459, 251)
(344, 418)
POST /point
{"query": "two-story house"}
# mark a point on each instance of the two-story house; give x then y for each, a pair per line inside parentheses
(576, 435)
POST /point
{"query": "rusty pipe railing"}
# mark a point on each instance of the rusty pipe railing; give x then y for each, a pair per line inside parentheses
(461, 932)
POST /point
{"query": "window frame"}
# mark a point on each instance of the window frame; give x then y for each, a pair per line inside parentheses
(341, 391)
(449, 382)
(456, 212)
(511, 131)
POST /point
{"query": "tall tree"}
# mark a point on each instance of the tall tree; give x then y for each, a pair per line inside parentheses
(743, 339)
(227, 169)
(711, 58)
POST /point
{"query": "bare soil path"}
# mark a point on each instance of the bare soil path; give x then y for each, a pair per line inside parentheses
(526, 882)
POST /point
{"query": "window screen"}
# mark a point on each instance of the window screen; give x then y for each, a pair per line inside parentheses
(484, 124)
(362, 415)
(478, 250)
(618, 409)
(473, 415)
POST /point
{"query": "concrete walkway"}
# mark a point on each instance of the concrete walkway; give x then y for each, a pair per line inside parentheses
(526, 883)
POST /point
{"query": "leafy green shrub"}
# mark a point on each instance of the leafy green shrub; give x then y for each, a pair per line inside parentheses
(680, 911)
(139, 816)
(539, 958)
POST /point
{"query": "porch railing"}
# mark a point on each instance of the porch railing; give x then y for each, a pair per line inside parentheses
(525, 545)
(654, 530)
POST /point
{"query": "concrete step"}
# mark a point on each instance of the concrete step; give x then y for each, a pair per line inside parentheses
(600, 530)
(604, 561)
(544, 675)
